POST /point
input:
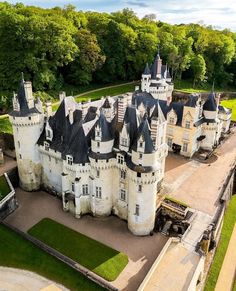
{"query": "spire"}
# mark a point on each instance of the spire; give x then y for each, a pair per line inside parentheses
(147, 70)
(213, 86)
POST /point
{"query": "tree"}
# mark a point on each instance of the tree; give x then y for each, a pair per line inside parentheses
(198, 66)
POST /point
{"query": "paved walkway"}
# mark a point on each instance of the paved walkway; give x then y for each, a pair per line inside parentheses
(228, 270)
(9, 164)
(112, 231)
(20, 280)
(199, 184)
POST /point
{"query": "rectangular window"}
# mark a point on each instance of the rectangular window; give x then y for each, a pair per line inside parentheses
(172, 120)
(69, 160)
(124, 141)
(139, 188)
(122, 174)
(20, 156)
(18, 144)
(120, 159)
(138, 175)
(122, 195)
(140, 156)
(98, 144)
(187, 124)
(97, 173)
(98, 192)
(46, 146)
(185, 147)
(85, 189)
(169, 142)
(137, 209)
(73, 187)
(141, 144)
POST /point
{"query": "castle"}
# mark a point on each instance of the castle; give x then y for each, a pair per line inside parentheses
(108, 156)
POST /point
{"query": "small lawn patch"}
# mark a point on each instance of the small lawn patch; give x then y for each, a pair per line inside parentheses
(231, 104)
(97, 257)
(228, 226)
(4, 187)
(19, 253)
(5, 125)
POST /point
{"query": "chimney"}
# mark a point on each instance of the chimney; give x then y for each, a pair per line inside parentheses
(71, 116)
(122, 104)
(62, 96)
(48, 109)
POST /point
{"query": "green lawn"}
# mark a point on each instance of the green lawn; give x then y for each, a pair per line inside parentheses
(16, 252)
(228, 226)
(5, 125)
(119, 89)
(97, 257)
(231, 103)
(4, 187)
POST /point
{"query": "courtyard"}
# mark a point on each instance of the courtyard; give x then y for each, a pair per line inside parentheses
(111, 231)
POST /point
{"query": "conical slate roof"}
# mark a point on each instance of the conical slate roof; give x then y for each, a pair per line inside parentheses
(210, 104)
(147, 70)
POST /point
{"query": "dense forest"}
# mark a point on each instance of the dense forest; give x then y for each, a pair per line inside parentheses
(59, 46)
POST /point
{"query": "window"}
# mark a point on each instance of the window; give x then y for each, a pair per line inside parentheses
(122, 174)
(97, 173)
(120, 159)
(46, 146)
(122, 195)
(185, 147)
(97, 133)
(139, 188)
(140, 156)
(169, 142)
(124, 142)
(172, 120)
(140, 144)
(98, 144)
(48, 133)
(187, 124)
(73, 187)
(139, 175)
(69, 160)
(49, 158)
(18, 144)
(85, 189)
(137, 209)
(20, 156)
(98, 192)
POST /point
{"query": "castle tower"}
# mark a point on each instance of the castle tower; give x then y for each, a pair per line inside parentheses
(27, 123)
(101, 167)
(146, 77)
(145, 173)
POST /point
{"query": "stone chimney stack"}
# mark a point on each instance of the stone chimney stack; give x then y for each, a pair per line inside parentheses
(62, 96)
(48, 105)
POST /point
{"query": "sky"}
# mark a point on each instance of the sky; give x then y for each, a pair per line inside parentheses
(218, 13)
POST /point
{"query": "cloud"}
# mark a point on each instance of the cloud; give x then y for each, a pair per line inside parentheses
(137, 3)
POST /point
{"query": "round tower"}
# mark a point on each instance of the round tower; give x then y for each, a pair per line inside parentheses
(27, 119)
(101, 167)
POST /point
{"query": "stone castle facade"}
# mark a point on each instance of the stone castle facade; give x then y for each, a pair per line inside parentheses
(108, 156)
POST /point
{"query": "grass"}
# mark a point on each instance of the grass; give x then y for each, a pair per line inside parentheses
(231, 104)
(227, 229)
(4, 187)
(103, 92)
(19, 253)
(97, 257)
(5, 125)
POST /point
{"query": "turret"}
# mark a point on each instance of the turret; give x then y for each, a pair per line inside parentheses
(146, 77)
(27, 123)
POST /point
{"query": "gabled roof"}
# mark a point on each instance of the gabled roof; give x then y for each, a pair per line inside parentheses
(192, 101)
(106, 104)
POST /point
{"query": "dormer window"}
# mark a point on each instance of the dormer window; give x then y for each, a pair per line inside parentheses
(46, 146)
(140, 144)
(69, 160)
(124, 142)
(120, 159)
(187, 124)
(172, 120)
